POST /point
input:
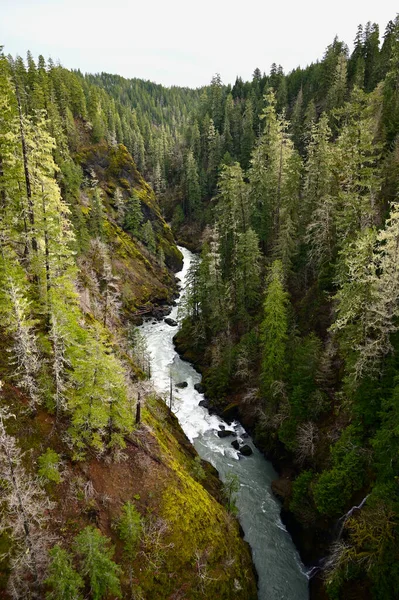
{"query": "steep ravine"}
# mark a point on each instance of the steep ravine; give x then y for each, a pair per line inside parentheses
(281, 573)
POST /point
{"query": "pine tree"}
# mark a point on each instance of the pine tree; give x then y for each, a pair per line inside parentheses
(234, 212)
(15, 193)
(211, 288)
(286, 245)
(149, 237)
(101, 413)
(65, 583)
(97, 565)
(248, 135)
(108, 306)
(270, 166)
(274, 329)
(214, 155)
(129, 529)
(337, 92)
(319, 207)
(96, 223)
(133, 216)
(192, 188)
(368, 299)
(354, 296)
(54, 232)
(247, 271)
(356, 169)
(297, 120)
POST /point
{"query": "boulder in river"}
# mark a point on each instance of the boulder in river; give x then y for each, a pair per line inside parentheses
(235, 444)
(159, 312)
(199, 387)
(181, 385)
(246, 450)
(225, 433)
(204, 403)
(170, 322)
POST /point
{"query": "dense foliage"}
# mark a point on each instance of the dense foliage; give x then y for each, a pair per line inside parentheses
(294, 306)
(84, 250)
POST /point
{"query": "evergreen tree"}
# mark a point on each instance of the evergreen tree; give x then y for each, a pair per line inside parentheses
(318, 211)
(274, 330)
(368, 298)
(234, 213)
(65, 583)
(149, 237)
(337, 92)
(247, 270)
(129, 529)
(97, 565)
(356, 169)
(99, 401)
(96, 223)
(192, 188)
(133, 216)
(248, 135)
(268, 173)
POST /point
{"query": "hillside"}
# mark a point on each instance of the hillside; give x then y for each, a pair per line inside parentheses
(102, 495)
(287, 186)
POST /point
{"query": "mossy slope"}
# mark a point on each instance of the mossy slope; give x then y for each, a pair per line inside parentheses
(199, 552)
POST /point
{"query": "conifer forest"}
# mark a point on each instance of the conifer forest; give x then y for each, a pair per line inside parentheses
(284, 192)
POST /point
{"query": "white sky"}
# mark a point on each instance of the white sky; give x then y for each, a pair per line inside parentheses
(178, 42)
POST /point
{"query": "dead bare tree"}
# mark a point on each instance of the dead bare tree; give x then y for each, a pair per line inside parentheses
(201, 561)
(25, 517)
(153, 541)
(307, 437)
(24, 350)
(59, 364)
(108, 286)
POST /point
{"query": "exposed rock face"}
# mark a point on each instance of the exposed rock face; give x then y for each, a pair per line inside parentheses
(159, 312)
(171, 322)
(282, 488)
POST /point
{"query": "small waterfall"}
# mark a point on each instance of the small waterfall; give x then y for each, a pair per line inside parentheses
(339, 529)
(342, 521)
(317, 568)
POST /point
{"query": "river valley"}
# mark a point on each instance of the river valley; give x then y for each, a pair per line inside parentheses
(281, 573)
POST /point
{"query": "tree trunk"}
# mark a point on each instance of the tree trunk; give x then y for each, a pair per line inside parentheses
(138, 410)
(31, 215)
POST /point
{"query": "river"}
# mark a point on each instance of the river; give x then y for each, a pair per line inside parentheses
(281, 573)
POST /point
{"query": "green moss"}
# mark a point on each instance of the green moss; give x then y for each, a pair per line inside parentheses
(200, 531)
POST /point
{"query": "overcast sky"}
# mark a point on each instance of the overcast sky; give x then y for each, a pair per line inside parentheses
(178, 42)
